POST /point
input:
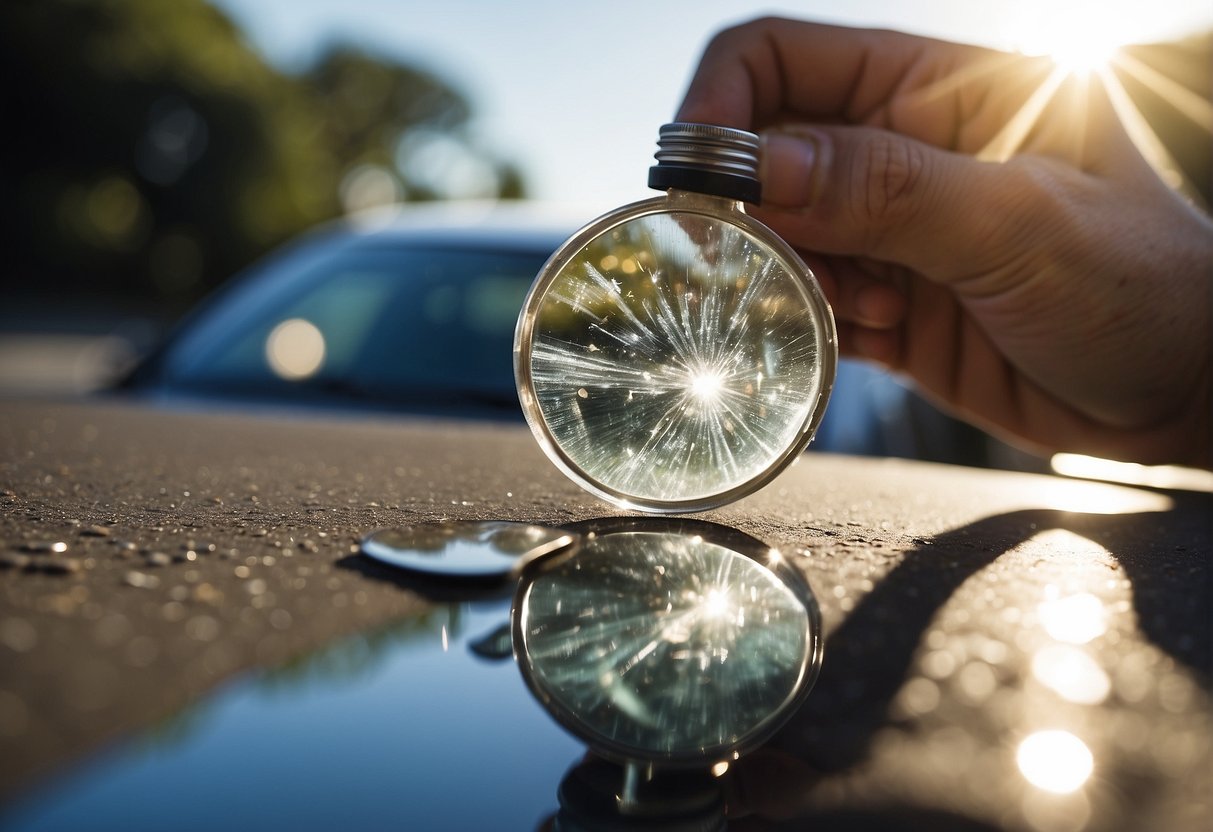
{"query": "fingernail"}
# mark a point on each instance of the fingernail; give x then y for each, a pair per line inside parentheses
(791, 167)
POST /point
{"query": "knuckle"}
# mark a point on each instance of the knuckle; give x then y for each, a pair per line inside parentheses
(889, 179)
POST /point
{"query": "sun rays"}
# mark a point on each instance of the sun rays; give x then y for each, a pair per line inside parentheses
(1011, 137)
(1085, 48)
(1084, 62)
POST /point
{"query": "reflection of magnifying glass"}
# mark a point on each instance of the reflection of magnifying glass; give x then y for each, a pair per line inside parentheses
(469, 551)
(676, 643)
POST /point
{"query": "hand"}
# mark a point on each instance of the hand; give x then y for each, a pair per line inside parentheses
(1031, 272)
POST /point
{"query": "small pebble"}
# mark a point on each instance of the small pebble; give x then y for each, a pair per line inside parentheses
(95, 531)
(157, 559)
(12, 560)
(141, 580)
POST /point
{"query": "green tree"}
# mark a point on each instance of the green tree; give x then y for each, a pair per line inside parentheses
(149, 151)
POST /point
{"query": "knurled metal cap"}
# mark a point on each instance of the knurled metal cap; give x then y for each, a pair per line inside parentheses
(707, 159)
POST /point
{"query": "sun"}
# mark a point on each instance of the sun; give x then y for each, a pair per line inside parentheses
(1084, 55)
(1086, 41)
(1080, 37)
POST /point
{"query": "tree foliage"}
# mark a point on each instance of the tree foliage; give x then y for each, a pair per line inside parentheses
(148, 150)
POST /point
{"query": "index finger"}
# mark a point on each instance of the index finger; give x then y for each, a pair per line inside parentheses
(759, 73)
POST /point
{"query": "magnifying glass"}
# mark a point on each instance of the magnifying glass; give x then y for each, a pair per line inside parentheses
(672, 643)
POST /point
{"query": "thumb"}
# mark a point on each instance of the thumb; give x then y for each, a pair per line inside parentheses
(863, 191)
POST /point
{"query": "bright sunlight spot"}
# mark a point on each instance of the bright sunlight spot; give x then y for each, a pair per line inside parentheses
(1156, 476)
(1088, 52)
(1071, 673)
(1080, 36)
(1099, 498)
(706, 385)
(295, 349)
(1056, 761)
(716, 605)
(1075, 619)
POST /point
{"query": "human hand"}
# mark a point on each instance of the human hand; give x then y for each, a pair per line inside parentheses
(1034, 275)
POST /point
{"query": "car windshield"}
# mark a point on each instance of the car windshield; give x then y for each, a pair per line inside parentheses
(397, 325)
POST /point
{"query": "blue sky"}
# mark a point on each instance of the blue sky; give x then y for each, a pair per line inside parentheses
(574, 92)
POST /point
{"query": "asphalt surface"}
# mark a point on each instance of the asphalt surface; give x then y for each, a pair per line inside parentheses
(972, 617)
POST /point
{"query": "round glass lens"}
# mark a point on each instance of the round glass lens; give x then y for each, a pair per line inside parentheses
(658, 646)
(676, 361)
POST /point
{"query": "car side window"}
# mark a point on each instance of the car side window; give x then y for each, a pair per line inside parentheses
(452, 331)
(388, 323)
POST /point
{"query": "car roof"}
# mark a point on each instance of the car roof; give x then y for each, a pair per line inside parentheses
(506, 224)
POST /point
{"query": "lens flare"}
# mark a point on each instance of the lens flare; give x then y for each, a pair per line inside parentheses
(706, 385)
(1075, 619)
(1085, 41)
(1080, 37)
(1086, 53)
(295, 349)
(1056, 761)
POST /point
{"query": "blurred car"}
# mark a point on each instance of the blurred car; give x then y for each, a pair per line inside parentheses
(412, 310)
